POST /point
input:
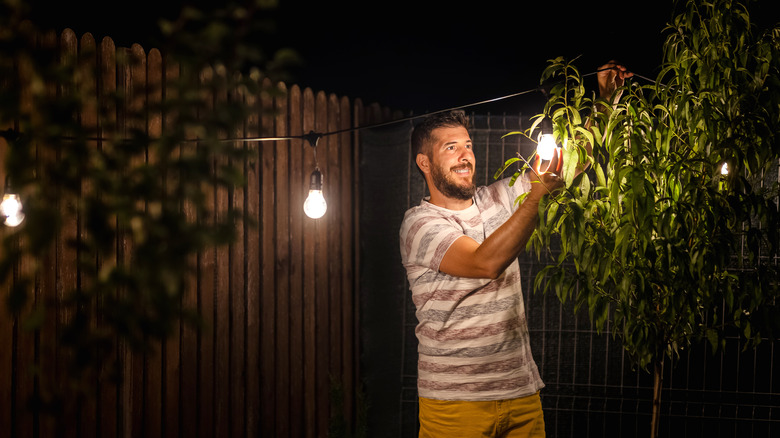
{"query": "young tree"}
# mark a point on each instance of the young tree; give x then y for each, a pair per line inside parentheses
(656, 237)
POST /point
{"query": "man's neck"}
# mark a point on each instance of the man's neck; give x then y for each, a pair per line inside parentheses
(440, 200)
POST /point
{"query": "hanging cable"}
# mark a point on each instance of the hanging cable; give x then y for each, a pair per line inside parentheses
(543, 88)
(315, 205)
(312, 136)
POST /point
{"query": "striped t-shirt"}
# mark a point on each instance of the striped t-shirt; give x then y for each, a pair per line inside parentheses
(472, 333)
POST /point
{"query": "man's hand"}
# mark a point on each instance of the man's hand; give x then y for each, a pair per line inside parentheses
(545, 183)
(611, 76)
(467, 258)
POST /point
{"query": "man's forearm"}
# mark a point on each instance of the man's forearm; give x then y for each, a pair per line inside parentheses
(504, 245)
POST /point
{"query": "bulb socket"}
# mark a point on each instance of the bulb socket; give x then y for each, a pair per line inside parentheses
(315, 182)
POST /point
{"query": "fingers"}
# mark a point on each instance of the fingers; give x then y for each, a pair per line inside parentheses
(611, 76)
(552, 181)
(615, 68)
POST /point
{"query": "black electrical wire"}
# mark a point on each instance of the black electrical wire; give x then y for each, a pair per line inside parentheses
(313, 137)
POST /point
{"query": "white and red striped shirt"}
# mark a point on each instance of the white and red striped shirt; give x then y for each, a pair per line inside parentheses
(472, 333)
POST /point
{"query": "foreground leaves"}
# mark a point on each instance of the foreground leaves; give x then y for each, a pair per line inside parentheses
(653, 239)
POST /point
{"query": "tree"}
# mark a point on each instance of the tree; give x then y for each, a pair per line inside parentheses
(128, 184)
(654, 237)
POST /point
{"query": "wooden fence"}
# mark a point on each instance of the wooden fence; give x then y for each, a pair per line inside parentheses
(279, 304)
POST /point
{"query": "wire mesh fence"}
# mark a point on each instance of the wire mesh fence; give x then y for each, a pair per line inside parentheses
(592, 390)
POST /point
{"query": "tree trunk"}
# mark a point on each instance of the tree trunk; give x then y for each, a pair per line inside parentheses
(658, 378)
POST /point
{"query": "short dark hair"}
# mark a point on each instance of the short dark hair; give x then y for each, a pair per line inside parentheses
(422, 134)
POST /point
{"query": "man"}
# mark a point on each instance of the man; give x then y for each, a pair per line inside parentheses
(476, 373)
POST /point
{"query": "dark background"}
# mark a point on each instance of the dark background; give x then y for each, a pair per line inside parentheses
(422, 55)
(431, 55)
(415, 55)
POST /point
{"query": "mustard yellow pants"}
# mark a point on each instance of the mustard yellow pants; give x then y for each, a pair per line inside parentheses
(519, 417)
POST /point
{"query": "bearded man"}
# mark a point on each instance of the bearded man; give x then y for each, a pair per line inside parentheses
(476, 372)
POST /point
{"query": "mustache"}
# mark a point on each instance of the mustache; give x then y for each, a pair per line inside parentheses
(463, 166)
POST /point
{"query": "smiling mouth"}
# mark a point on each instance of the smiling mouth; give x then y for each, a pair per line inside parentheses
(462, 170)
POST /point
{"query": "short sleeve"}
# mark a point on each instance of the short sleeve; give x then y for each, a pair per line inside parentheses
(508, 192)
(425, 237)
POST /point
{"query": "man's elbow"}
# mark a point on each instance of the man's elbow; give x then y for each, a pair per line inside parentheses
(493, 272)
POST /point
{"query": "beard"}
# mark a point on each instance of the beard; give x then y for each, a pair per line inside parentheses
(445, 184)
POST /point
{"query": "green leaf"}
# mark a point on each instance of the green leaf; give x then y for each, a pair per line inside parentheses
(506, 165)
(585, 185)
(552, 211)
(600, 178)
(570, 163)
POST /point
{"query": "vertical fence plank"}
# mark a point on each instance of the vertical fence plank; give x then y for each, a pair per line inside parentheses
(282, 274)
(135, 88)
(255, 420)
(66, 255)
(311, 402)
(322, 298)
(238, 295)
(24, 340)
(334, 265)
(153, 382)
(223, 297)
(190, 387)
(48, 293)
(297, 303)
(6, 319)
(173, 347)
(87, 84)
(268, 266)
(354, 316)
(206, 298)
(346, 266)
(109, 389)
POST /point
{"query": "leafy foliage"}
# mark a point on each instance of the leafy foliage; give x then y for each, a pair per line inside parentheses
(141, 198)
(653, 238)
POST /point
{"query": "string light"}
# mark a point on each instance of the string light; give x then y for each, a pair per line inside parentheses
(546, 151)
(11, 209)
(315, 206)
(313, 135)
(546, 147)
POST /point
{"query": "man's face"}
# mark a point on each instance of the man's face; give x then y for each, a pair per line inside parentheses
(452, 163)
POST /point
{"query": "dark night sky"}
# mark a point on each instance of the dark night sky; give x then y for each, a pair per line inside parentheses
(427, 55)
(410, 55)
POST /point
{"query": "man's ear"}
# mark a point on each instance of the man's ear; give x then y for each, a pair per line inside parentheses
(424, 163)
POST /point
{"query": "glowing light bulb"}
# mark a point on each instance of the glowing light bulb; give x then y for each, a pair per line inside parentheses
(11, 208)
(315, 205)
(724, 169)
(546, 147)
(15, 220)
(10, 205)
